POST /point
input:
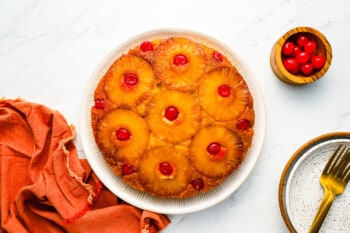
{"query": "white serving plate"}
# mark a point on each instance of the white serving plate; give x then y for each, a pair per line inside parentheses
(170, 205)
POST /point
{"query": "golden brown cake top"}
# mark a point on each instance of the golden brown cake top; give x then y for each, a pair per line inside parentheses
(173, 117)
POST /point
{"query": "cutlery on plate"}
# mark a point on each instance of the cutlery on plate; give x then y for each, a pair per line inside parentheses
(334, 178)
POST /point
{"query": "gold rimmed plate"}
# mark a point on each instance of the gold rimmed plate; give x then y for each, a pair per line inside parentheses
(300, 192)
(141, 199)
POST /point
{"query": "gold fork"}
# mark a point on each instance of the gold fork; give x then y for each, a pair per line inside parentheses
(333, 179)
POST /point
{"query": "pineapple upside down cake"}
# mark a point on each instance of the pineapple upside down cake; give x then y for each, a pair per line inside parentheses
(173, 117)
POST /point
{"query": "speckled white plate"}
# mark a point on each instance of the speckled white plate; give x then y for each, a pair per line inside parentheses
(301, 193)
(164, 205)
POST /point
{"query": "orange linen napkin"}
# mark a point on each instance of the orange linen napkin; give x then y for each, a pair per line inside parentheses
(45, 187)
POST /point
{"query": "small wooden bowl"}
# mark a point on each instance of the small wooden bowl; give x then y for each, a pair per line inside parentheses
(276, 59)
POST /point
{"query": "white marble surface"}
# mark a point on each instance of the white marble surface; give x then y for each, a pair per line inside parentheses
(48, 49)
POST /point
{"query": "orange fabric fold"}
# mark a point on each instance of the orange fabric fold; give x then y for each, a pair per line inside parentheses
(45, 187)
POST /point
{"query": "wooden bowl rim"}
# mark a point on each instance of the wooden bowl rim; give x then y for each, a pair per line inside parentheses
(299, 79)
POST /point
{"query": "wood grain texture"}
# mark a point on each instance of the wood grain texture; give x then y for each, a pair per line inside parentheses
(276, 60)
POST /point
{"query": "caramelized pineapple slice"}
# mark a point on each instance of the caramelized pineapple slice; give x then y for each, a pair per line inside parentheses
(129, 81)
(180, 63)
(223, 94)
(122, 136)
(216, 151)
(173, 116)
(165, 171)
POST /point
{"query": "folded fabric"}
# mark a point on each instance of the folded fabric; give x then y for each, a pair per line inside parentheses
(45, 187)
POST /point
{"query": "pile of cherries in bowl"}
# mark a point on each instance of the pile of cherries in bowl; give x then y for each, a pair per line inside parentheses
(299, 55)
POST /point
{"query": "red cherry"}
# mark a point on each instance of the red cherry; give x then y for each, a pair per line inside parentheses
(301, 40)
(224, 90)
(214, 148)
(165, 168)
(318, 61)
(310, 47)
(99, 103)
(288, 48)
(291, 65)
(180, 60)
(217, 56)
(243, 124)
(123, 134)
(146, 46)
(302, 57)
(297, 50)
(130, 79)
(197, 184)
(307, 69)
(127, 169)
(171, 113)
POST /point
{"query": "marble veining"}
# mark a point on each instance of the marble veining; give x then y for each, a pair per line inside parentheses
(49, 49)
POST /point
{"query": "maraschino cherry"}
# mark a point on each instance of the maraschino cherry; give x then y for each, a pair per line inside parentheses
(99, 103)
(243, 124)
(123, 134)
(127, 169)
(165, 168)
(180, 60)
(171, 113)
(197, 184)
(218, 56)
(224, 90)
(214, 148)
(146, 46)
(131, 79)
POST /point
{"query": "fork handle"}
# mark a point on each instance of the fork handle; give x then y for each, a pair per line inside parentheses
(322, 212)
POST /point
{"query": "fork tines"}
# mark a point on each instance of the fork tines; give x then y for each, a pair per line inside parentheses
(346, 166)
(339, 163)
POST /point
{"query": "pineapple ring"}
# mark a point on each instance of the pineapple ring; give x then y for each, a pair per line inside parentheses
(183, 77)
(230, 106)
(141, 78)
(129, 150)
(180, 129)
(206, 163)
(165, 185)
